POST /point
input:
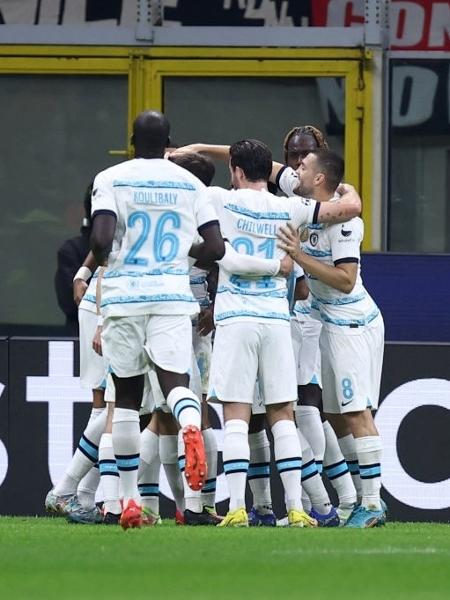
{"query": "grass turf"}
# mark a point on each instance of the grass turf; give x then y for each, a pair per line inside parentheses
(49, 558)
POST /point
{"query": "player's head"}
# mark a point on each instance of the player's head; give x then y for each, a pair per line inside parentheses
(86, 224)
(199, 165)
(320, 169)
(299, 141)
(250, 161)
(150, 134)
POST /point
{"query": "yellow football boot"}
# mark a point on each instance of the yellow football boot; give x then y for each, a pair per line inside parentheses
(235, 518)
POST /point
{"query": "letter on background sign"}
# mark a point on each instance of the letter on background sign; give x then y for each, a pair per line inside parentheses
(420, 85)
(61, 390)
(394, 408)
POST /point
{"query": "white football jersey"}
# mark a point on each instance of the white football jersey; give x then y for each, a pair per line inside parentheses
(199, 286)
(334, 244)
(159, 207)
(250, 219)
(89, 301)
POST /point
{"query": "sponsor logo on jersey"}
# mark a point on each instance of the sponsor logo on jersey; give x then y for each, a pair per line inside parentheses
(346, 232)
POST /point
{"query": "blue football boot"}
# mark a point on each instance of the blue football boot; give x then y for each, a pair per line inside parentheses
(329, 520)
(260, 519)
(364, 518)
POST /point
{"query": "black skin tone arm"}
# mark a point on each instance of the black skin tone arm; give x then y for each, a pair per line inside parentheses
(102, 236)
(211, 249)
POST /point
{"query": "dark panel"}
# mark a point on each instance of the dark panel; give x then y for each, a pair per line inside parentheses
(422, 433)
(4, 420)
(42, 382)
(412, 292)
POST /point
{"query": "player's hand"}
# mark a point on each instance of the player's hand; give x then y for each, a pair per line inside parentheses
(205, 321)
(286, 266)
(97, 341)
(79, 290)
(289, 240)
(345, 188)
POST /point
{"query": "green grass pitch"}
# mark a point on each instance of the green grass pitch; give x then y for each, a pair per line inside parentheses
(49, 558)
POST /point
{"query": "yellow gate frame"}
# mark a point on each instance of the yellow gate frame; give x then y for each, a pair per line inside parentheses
(147, 68)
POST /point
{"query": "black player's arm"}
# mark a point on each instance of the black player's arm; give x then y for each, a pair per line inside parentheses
(212, 280)
(301, 291)
(90, 262)
(66, 269)
(102, 236)
(212, 248)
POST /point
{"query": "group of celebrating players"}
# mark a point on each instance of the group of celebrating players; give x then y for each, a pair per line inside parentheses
(176, 261)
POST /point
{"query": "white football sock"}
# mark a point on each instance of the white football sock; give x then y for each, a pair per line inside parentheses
(126, 438)
(288, 458)
(87, 488)
(311, 479)
(236, 457)
(109, 475)
(369, 458)
(348, 448)
(336, 468)
(209, 489)
(86, 455)
(192, 498)
(148, 472)
(259, 470)
(310, 424)
(168, 454)
(185, 406)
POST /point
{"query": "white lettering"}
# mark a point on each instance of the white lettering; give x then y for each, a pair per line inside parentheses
(419, 107)
(331, 93)
(439, 26)
(406, 23)
(342, 13)
(395, 407)
(61, 390)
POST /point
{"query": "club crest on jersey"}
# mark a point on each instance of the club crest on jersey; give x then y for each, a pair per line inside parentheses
(304, 235)
(313, 239)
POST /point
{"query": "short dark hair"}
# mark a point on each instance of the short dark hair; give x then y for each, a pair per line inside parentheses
(197, 164)
(331, 165)
(253, 157)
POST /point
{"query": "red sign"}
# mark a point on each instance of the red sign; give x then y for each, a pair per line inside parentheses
(414, 24)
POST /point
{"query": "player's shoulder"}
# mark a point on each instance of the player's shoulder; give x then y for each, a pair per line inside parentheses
(353, 229)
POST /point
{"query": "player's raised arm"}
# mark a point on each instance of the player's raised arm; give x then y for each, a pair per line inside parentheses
(343, 209)
(214, 151)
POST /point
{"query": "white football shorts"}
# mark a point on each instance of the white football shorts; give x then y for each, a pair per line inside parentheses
(92, 365)
(132, 344)
(244, 351)
(305, 340)
(351, 367)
